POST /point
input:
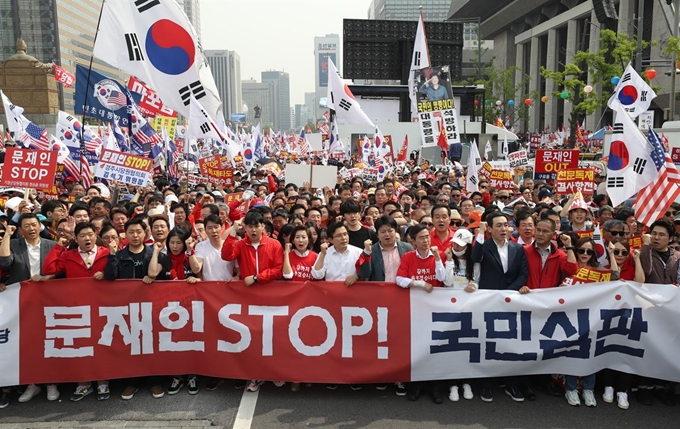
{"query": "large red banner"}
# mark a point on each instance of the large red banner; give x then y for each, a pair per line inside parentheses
(311, 332)
(27, 168)
(549, 162)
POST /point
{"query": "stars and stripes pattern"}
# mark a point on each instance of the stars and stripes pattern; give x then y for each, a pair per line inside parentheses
(91, 140)
(653, 201)
(87, 173)
(304, 145)
(35, 137)
(70, 168)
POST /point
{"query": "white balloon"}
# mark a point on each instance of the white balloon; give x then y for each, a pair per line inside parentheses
(587, 89)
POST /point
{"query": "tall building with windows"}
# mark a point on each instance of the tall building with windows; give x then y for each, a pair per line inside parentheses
(59, 31)
(193, 10)
(262, 95)
(226, 69)
(281, 83)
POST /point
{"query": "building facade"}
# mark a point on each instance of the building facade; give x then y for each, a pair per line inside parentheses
(193, 10)
(226, 69)
(262, 95)
(531, 34)
(55, 31)
(281, 84)
(325, 48)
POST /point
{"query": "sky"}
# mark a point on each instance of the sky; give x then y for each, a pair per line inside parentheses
(276, 34)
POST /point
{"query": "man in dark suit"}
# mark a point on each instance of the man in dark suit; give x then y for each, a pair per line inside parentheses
(386, 254)
(23, 258)
(503, 267)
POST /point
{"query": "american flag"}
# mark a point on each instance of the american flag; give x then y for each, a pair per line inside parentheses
(91, 140)
(304, 145)
(653, 201)
(87, 174)
(117, 97)
(35, 137)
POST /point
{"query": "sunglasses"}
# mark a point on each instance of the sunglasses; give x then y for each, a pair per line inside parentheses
(503, 198)
(456, 223)
(585, 252)
(676, 248)
(427, 224)
(619, 233)
(618, 252)
(670, 214)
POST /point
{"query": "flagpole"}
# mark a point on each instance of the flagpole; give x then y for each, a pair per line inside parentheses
(87, 88)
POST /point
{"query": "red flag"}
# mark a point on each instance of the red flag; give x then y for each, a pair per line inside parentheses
(308, 130)
(401, 156)
(443, 141)
(61, 75)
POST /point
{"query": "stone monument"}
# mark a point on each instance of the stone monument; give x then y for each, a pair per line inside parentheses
(30, 84)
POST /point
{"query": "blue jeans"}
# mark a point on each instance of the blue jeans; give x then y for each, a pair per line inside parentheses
(570, 382)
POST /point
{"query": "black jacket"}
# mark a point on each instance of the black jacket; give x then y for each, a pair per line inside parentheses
(492, 275)
(121, 265)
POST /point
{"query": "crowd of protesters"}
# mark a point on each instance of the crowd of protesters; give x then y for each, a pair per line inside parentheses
(419, 229)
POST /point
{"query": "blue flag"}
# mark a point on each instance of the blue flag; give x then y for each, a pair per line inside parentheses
(106, 99)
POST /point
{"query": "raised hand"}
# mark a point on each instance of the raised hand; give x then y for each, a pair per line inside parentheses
(288, 248)
(368, 245)
(324, 248)
(482, 228)
(11, 229)
(566, 240)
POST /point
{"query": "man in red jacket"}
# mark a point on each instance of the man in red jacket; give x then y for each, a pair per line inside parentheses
(259, 257)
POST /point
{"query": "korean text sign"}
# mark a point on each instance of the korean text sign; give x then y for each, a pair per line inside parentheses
(572, 181)
(501, 180)
(549, 162)
(124, 167)
(89, 330)
(26, 168)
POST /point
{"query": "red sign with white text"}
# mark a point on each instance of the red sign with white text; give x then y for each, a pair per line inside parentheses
(61, 75)
(27, 168)
(316, 332)
(150, 104)
(549, 162)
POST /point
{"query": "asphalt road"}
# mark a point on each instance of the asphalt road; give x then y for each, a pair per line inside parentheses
(317, 407)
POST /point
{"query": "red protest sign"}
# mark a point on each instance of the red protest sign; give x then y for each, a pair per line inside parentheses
(150, 104)
(61, 75)
(675, 155)
(212, 161)
(501, 180)
(572, 181)
(236, 196)
(588, 275)
(485, 171)
(26, 168)
(549, 162)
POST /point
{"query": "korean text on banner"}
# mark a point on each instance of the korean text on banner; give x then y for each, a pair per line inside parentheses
(26, 168)
(518, 159)
(150, 104)
(549, 162)
(80, 331)
(501, 180)
(123, 167)
(572, 181)
(436, 108)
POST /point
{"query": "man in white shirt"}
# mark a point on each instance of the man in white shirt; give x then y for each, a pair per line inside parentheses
(206, 256)
(339, 262)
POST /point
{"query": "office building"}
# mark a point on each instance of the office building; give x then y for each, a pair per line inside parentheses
(193, 10)
(325, 48)
(226, 69)
(281, 83)
(55, 31)
(298, 116)
(262, 95)
(533, 35)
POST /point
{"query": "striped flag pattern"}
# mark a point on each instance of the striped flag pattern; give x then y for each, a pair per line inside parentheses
(87, 174)
(304, 145)
(35, 137)
(654, 199)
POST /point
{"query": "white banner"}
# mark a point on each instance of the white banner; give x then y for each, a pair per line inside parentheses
(575, 330)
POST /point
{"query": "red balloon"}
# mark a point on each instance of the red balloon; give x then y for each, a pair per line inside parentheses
(651, 74)
(527, 101)
(476, 102)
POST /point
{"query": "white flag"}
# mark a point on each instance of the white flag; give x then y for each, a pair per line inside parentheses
(111, 142)
(335, 144)
(340, 99)
(630, 166)
(419, 60)
(487, 150)
(366, 150)
(632, 93)
(15, 117)
(154, 40)
(473, 166)
(504, 148)
(201, 124)
(380, 147)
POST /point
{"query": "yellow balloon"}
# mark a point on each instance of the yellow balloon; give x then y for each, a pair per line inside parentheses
(544, 99)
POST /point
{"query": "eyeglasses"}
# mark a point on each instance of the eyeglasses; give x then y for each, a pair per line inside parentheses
(619, 233)
(427, 224)
(585, 252)
(456, 222)
(503, 197)
(618, 252)
(676, 248)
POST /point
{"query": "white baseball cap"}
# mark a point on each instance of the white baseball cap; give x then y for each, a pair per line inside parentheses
(462, 237)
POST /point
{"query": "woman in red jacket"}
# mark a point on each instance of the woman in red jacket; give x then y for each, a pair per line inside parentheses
(298, 259)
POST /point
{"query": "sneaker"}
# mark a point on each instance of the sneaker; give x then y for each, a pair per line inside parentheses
(52, 392)
(356, 386)
(400, 389)
(128, 393)
(175, 386)
(240, 384)
(572, 398)
(589, 398)
(380, 386)
(453, 394)
(192, 386)
(467, 392)
(81, 392)
(622, 400)
(608, 395)
(295, 387)
(331, 386)
(486, 395)
(214, 383)
(103, 392)
(514, 393)
(157, 392)
(254, 385)
(4, 399)
(279, 383)
(30, 392)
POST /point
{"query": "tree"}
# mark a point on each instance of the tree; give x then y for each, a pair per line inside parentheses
(616, 51)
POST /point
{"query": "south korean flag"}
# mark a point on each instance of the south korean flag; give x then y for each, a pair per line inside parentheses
(341, 99)
(154, 40)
